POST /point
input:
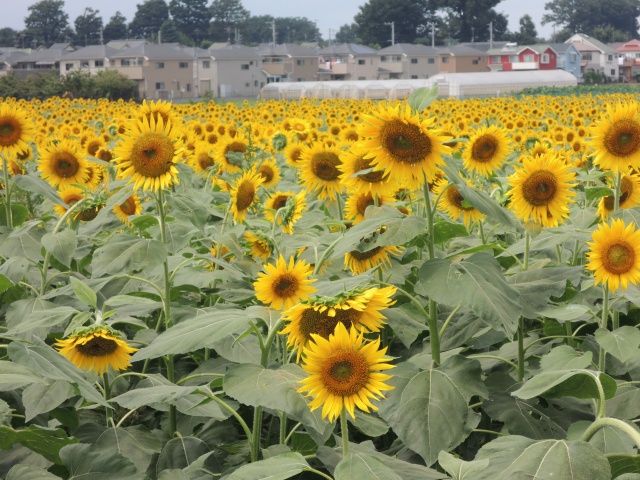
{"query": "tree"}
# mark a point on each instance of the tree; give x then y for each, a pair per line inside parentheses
(470, 19)
(191, 18)
(348, 33)
(47, 23)
(296, 30)
(88, 27)
(527, 34)
(8, 37)
(170, 33)
(148, 19)
(256, 30)
(116, 29)
(226, 15)
(375, 17)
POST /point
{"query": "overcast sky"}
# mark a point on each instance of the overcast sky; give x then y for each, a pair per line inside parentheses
(328, 14)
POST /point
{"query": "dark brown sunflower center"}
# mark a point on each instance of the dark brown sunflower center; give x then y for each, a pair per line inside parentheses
(65, 164)
(205, 161)
(619, 258)
(361, 256)
(294, 155)
(351, 136)
(371, 177)
(345, 373)
(484, 148)
(10, 132)
(105, 155)
(320, 323)
(152, 155)
(129, 206)
(298, 127)
(88, 214)
(540, 188)
(266, 172)
(93, 147)
(406, 142)
(98, 347)
(364, 201)
(212, 138)
(245, 196)
(623, 138)
(324, 165)
(456, 199)
(286, 286)
(237, 147)
(280, 201)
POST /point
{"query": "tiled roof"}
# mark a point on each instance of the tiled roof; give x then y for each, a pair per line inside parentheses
(408, 49)
(163, 51)
(348, 49)
(287, 49)
(91, 51)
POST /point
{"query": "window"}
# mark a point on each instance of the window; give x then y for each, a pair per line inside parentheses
(431, 61)
(125, 62)
(244, 66)
(255, 83)
(299, 62)
(445, 59)
(247, 84)
(159, 85)
(183, 64)
(383, 58)
(414, 60)
(613, 72)
(609, 58)
(495, 59)
(637, 55)
(544, 58)
(362, 78)
(206, 64)
(300, 79)
(475, 62)
(361, 61)
(68, 66)
(188, 87)
(573, 58)
(414, 77)
(585, 56)
(528, 57)
(99, 63)
(159, 64)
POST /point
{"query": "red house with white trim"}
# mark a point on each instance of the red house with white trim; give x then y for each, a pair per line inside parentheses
(530, 57)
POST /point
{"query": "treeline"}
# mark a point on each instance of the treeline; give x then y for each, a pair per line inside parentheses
(108, 84)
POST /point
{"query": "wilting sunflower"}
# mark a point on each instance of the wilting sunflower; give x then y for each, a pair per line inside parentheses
(131, 206)
(614, 255)
(454, 204)
(16, 129)
(486, 150)
(148, 153)
(244, 193)
(70, 195)
(357, 203)
(320, 171)
(542, 189)
(374, 181)
(63, 163)
(616, 137)
(275, 202)
(96, 348)
(403, 144)
(629, 196)
(359, 262)
(360, 308)
(269, 170)
(281, 286)
(260, 245)
(344, 372)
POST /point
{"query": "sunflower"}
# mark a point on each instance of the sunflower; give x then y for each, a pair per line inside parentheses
(283, 285)
(292, 154)
(629, 195)
(359, 262)
(357, 204)
(147, 154)
(360, 308)
(454, 204)
(16, 130)
(63, 163)
(614, 255)
(376, 182)
(320, 171)
(275, 202)
(202, 159)
(542, 189)
(156, 110)
(299, 126)
(244, 193)
(344, 372)
(70, 195)
(96, 348)
(269, 170)
(616, 137)
(403, 144)
(231, 153)
(131, 206)
(291, 206)
(261, 246)
(93, 144)
(486, 150)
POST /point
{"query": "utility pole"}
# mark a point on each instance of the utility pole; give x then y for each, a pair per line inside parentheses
(473, 34)
(490, 34)
(273, 32)
(393, 31)
(433, 34)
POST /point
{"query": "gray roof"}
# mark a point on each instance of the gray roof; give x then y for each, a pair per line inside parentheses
(287, 50)
(162, 51)
(561, 47)
(234, 52)
(597, 44)
(462, 51)
(45, 56)
(354, 49)
(12, 57)
(408, 49)
(128, 43)
(484, 46)
(90, 52)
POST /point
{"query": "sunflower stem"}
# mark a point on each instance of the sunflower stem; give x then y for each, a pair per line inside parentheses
(604, 324)
(168, 360)
(611, 422)
(283, 428)
(344, 427)
(481, 231)
(107, 396)
(257, 430)
(520, 332)
(617, 191)
(166, 301)
(7, 191)
(432, 319)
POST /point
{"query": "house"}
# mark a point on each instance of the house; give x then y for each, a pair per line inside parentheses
(289, 62)
(462, 58)
(568, 58)
(529, 57)
(92, 59)
(408, 61)
(596, 56)
(42, 60)
(348, 61)
(9, 57)
(629, 60)
(232, 71)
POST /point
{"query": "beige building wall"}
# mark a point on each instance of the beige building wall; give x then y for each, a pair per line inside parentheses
(168, 79)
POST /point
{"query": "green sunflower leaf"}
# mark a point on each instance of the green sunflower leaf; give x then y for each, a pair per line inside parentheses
(422, 97)
(279, 467)
(45, 441)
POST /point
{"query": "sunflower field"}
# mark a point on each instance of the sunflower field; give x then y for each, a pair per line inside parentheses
(337, 289)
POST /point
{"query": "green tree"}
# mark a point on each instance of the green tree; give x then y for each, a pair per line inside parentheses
(88, 27)
(113, 85)
(375, 17)
(470, 19)
(148, 19)
(347, 33)
(170, 33)
(226, 16)
(47, 23)
(257, 30)
(116, 29)
(191, 18)
(527, 34)
(297, 29)
(8, 37)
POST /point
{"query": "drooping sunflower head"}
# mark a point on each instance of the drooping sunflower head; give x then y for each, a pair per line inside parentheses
(283, 285)
(244, 193)
(148, 153)
(260, 245)
(542, 189)
(355, 161)
(131, 206)
(63, 164)
(345, 372)
(359, 262)
(629, 195)
(486, 150)
(16, 129)
(614, 255)
(230, 152)
(357, 203)
(616, 137)
(96, 349)
(320, 172)
(454, 204)
(202, 159)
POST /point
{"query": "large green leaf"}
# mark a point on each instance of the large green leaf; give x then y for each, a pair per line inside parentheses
(43, 319)
(201, 331)
(45, 441)
(279, 467)
(39, 398)
(136, 443)
(519, 458)
(180, 452)
(622, 342)
(178, 234)
(624, 464)
(90, 462)
(608, 439)
(126, 254)
(84, 293)
(13, 375)
(437, 398)
(34, 184)
(23, 242)
(422, 97)
(477, 283)
(563, 357)
(28, 472)
(139, 397)
(61, 245)
(459, 469)
(578, 383)
(276, 389)
(404, 324)
(361, 465)
(626, 403)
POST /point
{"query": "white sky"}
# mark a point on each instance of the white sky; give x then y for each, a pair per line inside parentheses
(328, 14)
